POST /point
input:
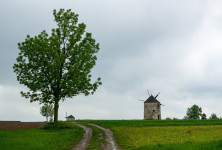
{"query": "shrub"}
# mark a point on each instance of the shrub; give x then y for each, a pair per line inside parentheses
(58, 125)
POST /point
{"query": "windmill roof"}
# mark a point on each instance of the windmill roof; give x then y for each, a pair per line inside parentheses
(151, 99)
(71, 116)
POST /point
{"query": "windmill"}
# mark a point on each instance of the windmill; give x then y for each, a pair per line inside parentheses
(152, 109)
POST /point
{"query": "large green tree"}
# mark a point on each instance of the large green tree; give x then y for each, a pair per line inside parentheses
(58, 66)
(194, 112)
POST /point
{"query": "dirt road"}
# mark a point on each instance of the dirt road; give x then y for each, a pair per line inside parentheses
(82, 145)
(111, 145)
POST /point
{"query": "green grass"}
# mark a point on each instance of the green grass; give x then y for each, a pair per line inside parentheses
(213, 145)
(165, 134)
(129, 134)
(144, 123)
(40, 139)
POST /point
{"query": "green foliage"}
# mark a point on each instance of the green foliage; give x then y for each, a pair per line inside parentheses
(38, 139)
(194, 112)
(47, 111)
(203, 116)
(58, 66)
(168, 118)
(213, 116)
(59, 125)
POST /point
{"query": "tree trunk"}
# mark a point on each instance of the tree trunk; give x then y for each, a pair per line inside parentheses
(47, 119)
(56, 108)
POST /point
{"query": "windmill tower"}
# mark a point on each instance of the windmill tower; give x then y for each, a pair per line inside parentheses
(152, 108)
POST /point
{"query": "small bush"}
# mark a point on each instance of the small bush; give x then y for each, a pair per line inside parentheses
(58, 125)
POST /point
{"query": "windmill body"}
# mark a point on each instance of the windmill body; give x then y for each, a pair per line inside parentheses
(152, 109)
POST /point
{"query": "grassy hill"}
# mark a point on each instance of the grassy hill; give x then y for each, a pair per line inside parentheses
(165, 134)
(62, 136)
(129, 134)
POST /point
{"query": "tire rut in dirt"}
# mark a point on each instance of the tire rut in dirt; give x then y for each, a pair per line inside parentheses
(83, 144)
(111, 145)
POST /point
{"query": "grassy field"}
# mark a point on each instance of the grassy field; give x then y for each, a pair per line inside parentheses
(129, 134)
(165, 134)
(145, 123)
(40, 139)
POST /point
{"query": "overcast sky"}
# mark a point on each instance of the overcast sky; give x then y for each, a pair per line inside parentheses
(172, 47)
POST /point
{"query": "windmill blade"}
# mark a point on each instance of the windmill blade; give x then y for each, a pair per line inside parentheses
(157, 95)
(162, 104)
(141, 100)
(148, 92)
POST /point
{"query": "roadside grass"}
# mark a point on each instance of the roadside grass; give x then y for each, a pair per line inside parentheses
(165, 134)
(213, 145)
(145, 123)
(40, 139)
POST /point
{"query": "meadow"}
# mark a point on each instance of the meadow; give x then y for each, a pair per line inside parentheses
(165, 134)
(40, 139)
(129, 134)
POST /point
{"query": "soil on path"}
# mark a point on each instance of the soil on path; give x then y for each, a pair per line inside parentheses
(111, 145)
(82, 145)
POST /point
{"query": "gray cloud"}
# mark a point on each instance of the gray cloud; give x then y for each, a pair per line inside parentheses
(172, 47)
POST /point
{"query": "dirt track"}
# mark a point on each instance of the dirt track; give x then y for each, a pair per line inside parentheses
(83, 144)
(111, 145)
(12, 125)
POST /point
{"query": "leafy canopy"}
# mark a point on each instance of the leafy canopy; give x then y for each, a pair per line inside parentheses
(194, 112)
(213, 116)
(203, 116)
(58, 66)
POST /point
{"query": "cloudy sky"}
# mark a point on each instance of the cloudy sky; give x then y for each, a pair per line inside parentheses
(172, 47)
